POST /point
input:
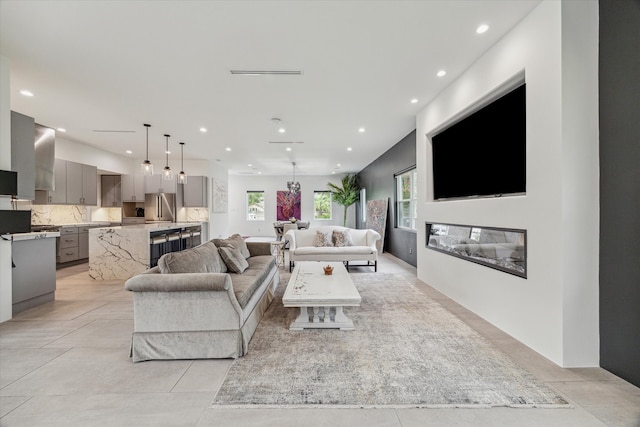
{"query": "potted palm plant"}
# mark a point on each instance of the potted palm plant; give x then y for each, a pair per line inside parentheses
(346, 195)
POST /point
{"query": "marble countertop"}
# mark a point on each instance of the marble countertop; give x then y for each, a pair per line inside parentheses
(35, 235)
(152, 227)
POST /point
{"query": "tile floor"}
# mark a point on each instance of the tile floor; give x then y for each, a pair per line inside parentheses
(66, 363)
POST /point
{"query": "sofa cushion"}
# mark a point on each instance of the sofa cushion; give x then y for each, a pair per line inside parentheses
(342, 238)
(234, 260)
(235, 241)
(246, 284)
(201, 259)
(322, 239)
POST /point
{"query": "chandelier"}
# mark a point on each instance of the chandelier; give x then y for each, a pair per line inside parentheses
(293, 185)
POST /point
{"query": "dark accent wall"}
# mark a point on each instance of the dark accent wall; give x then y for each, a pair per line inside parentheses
(379, 182)
(619, 87)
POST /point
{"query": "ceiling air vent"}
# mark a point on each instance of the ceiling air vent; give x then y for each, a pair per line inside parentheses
(267, 72)
(286, 142)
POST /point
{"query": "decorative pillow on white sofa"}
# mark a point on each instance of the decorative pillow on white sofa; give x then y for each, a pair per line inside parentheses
(234, 241)
(342, 238)
(234, 260)
(322, 239)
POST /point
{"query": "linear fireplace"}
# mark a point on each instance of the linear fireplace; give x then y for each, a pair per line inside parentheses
(504, 249)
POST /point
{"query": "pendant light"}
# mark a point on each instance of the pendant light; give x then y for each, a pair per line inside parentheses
(182, 177)
(167, 173)
(146, 167)
(293, 186)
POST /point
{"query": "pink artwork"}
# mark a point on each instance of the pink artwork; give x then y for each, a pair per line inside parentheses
(288, 206)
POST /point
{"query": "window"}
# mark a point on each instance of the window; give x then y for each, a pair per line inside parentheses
(321, 205)
(406, 200)
(255, 205)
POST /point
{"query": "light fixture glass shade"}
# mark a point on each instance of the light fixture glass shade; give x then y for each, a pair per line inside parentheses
(167, 173)
(293, 185)
(146, 168)
(182, 177)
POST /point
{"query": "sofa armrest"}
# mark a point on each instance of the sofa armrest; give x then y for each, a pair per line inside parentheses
(259, 248)
(182, 282)
(290, 236)
(372, 237)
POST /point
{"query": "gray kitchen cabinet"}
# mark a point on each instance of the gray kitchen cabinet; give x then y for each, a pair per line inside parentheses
(83, 242)
(155, 184)
(23, 157)
(82, 184)
(111, 191)
(68, 244)
(59, 195)
(194, 192)
(34, 275)
(132, 188)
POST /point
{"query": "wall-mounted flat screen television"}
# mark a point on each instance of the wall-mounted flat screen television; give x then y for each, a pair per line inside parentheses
(484, 154)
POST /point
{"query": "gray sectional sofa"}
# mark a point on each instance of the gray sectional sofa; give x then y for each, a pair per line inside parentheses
(194, 306)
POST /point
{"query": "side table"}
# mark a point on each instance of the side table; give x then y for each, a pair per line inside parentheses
(277, 249)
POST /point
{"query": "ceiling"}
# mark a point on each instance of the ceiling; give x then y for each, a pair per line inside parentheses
(106, 65)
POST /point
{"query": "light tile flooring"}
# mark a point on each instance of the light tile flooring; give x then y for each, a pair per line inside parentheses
(66, 364)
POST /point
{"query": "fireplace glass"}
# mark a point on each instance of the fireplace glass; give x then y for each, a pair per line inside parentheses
(504, 249)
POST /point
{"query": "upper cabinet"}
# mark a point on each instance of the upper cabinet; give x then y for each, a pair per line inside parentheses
(111, 191)
(82, 184)
(76, 184)
(23, 158)
(193, 194)
(155, 184)
(132, 188)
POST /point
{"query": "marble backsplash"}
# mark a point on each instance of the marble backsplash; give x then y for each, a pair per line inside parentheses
(58, 214)
(106, 214)
(193, 214)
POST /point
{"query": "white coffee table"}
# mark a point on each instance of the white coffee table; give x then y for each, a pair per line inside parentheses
(326, 295)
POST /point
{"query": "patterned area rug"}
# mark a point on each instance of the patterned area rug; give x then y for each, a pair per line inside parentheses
(406, 351)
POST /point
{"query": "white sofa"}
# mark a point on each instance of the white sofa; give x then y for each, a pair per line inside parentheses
(301, 246)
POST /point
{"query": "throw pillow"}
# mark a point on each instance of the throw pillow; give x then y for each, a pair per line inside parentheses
(342, 238)
(201, 259)
(321, 239)
(234, 259)
(235, 241)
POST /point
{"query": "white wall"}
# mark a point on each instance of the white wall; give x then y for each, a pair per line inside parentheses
(554, 310)
(240, 184)
(5, 202)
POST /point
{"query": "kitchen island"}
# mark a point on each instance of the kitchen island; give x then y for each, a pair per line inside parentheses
(124, 252)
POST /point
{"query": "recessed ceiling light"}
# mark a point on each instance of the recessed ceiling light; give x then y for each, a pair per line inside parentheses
(482, 29)
(441, 73)
(129, 152)
(333, 172)
(288, 148)
(203, 130)
(361, 130)
(249, 165)
(259, 172)
(228, 149)
(414, 101)
(349, 148)
(61, 130)
(167, 152)
(282, 130)
(338, 165)
(26, 92)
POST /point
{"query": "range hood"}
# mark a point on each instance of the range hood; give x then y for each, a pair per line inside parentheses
(45, 147)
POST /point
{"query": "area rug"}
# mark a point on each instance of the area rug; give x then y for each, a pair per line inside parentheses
(406, 351)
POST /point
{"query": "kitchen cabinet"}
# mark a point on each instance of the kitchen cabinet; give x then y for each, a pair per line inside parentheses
(193, 194)
(155, 184)
(75, 184)
(23, 155)
(34, 276)
(132, 188)
(68, 245)
(83, 242)
(110, 191)
(82, 184)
